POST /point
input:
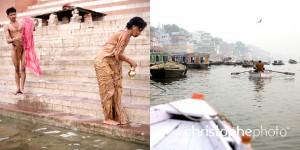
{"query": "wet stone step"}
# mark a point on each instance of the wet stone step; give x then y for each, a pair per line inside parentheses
(90, 107)
(42, 128)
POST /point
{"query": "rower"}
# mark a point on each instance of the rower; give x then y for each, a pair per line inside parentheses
(259, 67)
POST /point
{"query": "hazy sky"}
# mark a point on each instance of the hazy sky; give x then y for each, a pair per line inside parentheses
(232, 20)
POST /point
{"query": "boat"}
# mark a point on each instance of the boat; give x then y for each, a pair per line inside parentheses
(168, 70)
(179, 125)
(247, 64)
(260, 75)
(216, 62)
(291, 61)
(197, 60)
(277, 62)
(266, 63)
(179, 57)
(158, 58)
(230, 63)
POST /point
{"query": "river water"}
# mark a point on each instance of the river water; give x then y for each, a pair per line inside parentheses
(24, 135)
(269, 106)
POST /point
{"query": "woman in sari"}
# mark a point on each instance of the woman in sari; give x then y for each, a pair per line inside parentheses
(108, 67)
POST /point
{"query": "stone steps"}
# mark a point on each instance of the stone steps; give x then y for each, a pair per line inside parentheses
(75, 43)
(142, 61)
(77, 76)
(80, 56)
(85, 90)
(74, 105)
(142, 73)
(7, 65)
(69, 82)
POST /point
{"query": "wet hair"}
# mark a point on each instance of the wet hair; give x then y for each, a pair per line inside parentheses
(11, 10)
(136, 21)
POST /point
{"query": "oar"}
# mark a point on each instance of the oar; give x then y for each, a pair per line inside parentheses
(236, 73)
(286, 73)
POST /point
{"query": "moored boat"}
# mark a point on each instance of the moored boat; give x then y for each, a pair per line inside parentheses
(168, 70)
(230, 63)
(247, 64)
(184, 124)
(291, 61)
(277, 62)
(216, 62)
(265, 74)
(197, 60)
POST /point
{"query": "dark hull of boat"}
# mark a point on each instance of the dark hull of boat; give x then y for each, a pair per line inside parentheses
(293, 62)
(216, 63)
(277, 64)
(247, 65)
(166, 73)
(197, 66)
(230, 63)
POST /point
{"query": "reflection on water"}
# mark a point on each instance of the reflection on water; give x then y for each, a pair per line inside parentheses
(259, 84)
(248, 103)
(24, 135)
(168, 80)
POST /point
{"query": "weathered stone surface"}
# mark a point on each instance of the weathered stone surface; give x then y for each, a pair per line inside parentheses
(138, 133)
(69, 84)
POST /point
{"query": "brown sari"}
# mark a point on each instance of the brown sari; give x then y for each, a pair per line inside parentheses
(109, 75)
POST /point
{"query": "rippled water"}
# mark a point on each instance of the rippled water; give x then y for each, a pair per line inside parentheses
(24, 135)
(248, 103)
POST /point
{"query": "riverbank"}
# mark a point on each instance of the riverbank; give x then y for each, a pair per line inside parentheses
(137, 133)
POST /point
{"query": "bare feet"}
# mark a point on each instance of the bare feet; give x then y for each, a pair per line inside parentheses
(18, 92)
(110, 122)
(122, 124)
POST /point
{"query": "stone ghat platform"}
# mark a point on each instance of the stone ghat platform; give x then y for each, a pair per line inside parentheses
(134, 132)
(67, 93)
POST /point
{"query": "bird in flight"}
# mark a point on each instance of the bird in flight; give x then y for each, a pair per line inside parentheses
(259, 21)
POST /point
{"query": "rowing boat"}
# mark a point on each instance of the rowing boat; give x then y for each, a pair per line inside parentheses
(192, 124)
(265, 74)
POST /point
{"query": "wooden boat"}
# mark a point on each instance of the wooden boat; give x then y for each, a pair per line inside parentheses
(230, 63)
(178, 125)
(277, 62)
(291, 61)
(247, 64)
(168, 70)
(197, 60)
(216, 62)
(265, 74)
(158, 58)
(197, 66)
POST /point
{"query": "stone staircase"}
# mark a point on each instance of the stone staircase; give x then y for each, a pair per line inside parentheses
(69, 83)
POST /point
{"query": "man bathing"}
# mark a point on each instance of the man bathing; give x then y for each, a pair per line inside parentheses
(13, 33)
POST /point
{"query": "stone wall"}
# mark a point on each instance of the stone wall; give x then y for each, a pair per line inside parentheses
(69, 83)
